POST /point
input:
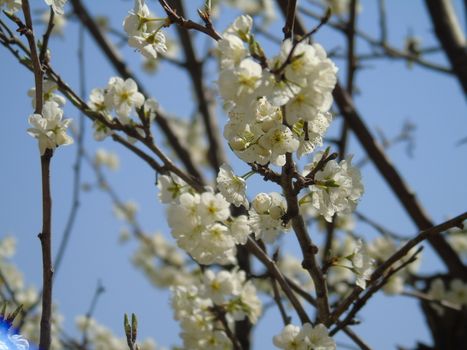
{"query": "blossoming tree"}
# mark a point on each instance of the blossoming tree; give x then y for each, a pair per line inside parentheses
(225, 263)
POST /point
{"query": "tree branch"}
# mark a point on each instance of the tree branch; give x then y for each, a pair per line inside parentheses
(450, 36)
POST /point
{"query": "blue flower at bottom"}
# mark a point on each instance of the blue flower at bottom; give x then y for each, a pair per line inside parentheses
(9, 340)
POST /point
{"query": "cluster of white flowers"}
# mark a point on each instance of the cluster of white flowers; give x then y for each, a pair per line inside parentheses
(203, 226)
(337, 187)
(123, 97)
(266, 216)
(455, 293)
(231, 186)
(49, 128)
(199, 306)
(306, 337)
(144, 30)
(202, 223)
(361, 264)
(256, 93)
(99, 337)
(106, 158)
(351, 264)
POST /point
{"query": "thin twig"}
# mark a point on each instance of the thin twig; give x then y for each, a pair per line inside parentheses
(398, 256)
(255, 250)
(75, 202)
(46, 36)
(194, 68)
(389, 51)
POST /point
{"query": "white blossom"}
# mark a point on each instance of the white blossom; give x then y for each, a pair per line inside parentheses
(144, 32)
(123, 96)
(361, 264)
(200, 224)
(48, 88)
(308, 337)
(279, 140)
(239, 84)
(337, 187)
(232, 187)
(49, 128)
(241, 27)
(149, 44)
(170, 187)
(231, 51)
(266, 216)
(213, 208)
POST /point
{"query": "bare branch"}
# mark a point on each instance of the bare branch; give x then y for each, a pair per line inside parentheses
(449, 33)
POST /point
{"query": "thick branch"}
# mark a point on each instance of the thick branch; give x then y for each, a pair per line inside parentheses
(450, 36)
(254, 249)
(194, 68)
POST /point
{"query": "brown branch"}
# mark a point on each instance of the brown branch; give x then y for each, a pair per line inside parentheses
(355, 338)
(220, 315)
(305, 295)
(375, 286)
(406, 197)
(274, 271)
(288, 29)
(426, 297)
(97, 293)
(46, 36)
(194, 68)
(46, 234)
(398, 256)
(450, 36)
(389, 51)
(120, 66)
(305, 36)
(144, 156)
(147, 140)
(383, 27)
(174, 17)
(46, 243)
(309, 250)
(277, 297)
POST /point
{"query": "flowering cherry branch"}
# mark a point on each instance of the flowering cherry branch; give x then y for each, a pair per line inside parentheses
(121, 67)
(387, 170)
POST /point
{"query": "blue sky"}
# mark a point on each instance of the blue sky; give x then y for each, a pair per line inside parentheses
(389, 95)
